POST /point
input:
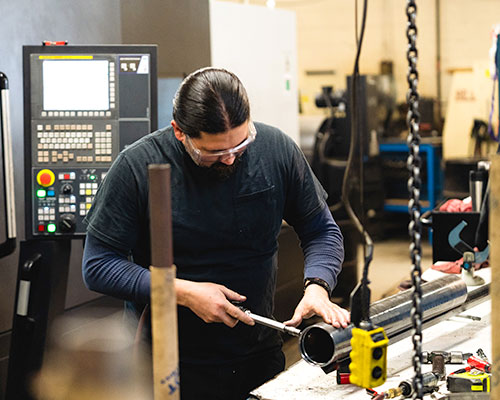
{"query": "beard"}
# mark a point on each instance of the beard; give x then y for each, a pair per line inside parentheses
(220, 171)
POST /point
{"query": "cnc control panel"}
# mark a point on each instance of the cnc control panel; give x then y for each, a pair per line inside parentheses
(83, 105)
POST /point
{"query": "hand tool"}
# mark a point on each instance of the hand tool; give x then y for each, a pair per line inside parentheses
(469, 381)
(405, 388)
(479, 363)
(270, 323)
(450, 357)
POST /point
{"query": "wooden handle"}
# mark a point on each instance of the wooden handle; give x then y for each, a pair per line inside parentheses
(163, 299)
(164, 330)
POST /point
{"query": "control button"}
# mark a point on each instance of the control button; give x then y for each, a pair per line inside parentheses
(41, 228)
(67, 223)
(51, 193)
(51, 228)
(45, 177)
(66, 188)
(41, 193)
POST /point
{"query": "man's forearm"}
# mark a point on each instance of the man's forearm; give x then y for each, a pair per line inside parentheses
(107, 271)
(323, 247)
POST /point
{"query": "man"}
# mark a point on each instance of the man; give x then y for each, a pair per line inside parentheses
(233, 182)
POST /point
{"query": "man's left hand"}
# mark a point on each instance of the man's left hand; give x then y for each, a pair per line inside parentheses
(316, 301)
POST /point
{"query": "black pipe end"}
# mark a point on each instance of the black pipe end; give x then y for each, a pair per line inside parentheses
(318, 346)
(4, 82)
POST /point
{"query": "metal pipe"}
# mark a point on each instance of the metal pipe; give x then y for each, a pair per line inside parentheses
(271, 323)
(5, 129)
(322, 344)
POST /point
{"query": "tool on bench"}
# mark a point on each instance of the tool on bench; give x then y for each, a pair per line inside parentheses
(475, 363)
(470, 256)
(475, 377)
(270, 323)
(450, 357)
(430, 380)
(405, 388)
(469, 381)
(479, 363)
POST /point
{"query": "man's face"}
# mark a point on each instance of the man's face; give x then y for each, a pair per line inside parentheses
(218, 153)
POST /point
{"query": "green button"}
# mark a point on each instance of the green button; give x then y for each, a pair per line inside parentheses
(92, 177)
(41, 193)
(51, 228)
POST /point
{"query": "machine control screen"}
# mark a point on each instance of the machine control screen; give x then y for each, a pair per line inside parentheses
(85, 105)
(77, 85)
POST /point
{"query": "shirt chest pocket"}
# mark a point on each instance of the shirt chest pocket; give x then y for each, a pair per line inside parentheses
(256, 213)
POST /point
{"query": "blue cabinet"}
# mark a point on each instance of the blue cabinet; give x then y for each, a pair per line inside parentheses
(432, 176)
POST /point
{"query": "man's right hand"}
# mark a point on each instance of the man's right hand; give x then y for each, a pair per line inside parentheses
(211, 302)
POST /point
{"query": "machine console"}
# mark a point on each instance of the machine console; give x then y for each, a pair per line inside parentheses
(83, 105)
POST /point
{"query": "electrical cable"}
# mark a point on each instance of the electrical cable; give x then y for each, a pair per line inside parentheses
(356, 37)
(368, 249)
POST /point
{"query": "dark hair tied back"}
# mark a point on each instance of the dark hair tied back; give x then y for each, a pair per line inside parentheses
(211, 100)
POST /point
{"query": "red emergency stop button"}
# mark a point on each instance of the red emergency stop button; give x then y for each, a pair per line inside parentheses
(45, 177)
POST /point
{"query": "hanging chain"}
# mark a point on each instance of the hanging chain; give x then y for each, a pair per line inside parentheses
(414, 184)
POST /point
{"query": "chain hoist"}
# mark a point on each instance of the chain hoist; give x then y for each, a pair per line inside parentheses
(414, 185)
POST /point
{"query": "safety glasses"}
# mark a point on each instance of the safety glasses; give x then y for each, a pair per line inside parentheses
(206, 157)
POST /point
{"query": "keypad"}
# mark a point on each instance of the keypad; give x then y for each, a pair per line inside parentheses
(47, 213)
(60, 144)
(87, 192)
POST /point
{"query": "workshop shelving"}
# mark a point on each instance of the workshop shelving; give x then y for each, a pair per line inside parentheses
(394, 155)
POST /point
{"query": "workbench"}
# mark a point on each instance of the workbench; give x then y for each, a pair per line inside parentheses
(458, 333)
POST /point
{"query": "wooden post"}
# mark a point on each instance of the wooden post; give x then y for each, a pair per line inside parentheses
(494, 235)
(163, 299)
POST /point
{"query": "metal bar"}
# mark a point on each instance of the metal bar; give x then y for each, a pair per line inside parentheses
(271, 323)
(8, 162)
(160, 205)
(322, 344)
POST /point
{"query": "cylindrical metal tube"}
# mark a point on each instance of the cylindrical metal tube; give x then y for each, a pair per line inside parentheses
(6, 137)
(271, 323)
(322, 344)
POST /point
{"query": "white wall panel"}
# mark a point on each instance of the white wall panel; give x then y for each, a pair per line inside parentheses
(259, 45)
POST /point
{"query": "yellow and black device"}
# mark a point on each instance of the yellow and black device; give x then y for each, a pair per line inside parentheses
(470, 381)
(368, 357)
